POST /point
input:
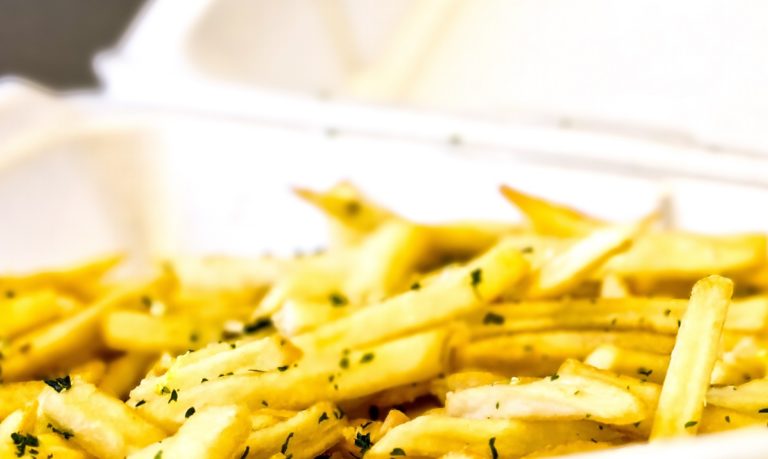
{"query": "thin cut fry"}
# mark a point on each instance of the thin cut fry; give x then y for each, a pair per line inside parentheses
(212, 433)
(640, 364)
(549, 218)
(567, 397)
(100, 424)
(684, 392)
(566, 269)
(305, 435)
(457, 292)
(431, 436)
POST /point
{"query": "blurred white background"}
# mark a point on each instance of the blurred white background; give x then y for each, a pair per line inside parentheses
(683, 71)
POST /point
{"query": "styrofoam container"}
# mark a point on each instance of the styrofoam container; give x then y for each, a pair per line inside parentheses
(652, 69)
(92, 177)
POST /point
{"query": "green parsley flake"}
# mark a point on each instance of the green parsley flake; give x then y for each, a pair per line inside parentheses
(21, 441)
(174, 396)
(690, 424)
(397, 452)
(367, 357)
(477, 277)
(492, 445)
(323, 417)
(491, 318)
(344, 362)
(60, 384)
(259, 324)
(363, 442)
(63, 433)
(284, 448)
(338, 300)
(644, 372)
(190, 411)
(245, 453)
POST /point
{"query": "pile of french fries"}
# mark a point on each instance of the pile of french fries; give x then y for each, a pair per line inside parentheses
(468, 339)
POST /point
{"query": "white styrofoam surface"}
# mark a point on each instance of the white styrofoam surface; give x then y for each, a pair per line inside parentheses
(156, 183)
(690, 70)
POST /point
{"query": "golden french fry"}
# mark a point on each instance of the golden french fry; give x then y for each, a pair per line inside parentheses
(57, 447)
(27, 311)
(343, 376)
(211, 433)
(14, 396)
(188, 370)
(717, 419)
(71, 278)
(463, 380)
(64, 341)
(549, 218)
(751, 397)
(124, 372)
(613, 286)
(398, 247)
(91, 371)
(651, 314)
(158, 333)
(305, 435)
(580, 446)
(466, 238)
(566, 269)
(564, 398)
(675, 255)
(456, 293)
(101, 425)
(683, 394)
(645, 365)
(540, 353)
(205, 274)
(432, 436)
(348, 206)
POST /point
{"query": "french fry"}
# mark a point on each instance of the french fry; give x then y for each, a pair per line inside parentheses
(751, 397)
(713, 418)
(566, 269)
(316, 279)
(91, 371)
(717, 419)
(347, 205)
(640, 364)
(74, 279)
(101, 425)
(266, 354)
(463, 380)
(55, 446)
(456, 293)
(317, 378)
(14, 396)
(466, 238)
(549, 218)
(580, 446)
(124, 372)
(211, 433)
(32, 353)
(305, 435)
(675, 255)
(559, 398)
(613, 286)
(683, 394)
(400, 247)
(223, 273)
(650, 314)
(27, 311)
(432, 436)
(158, 333)
(540, 353)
